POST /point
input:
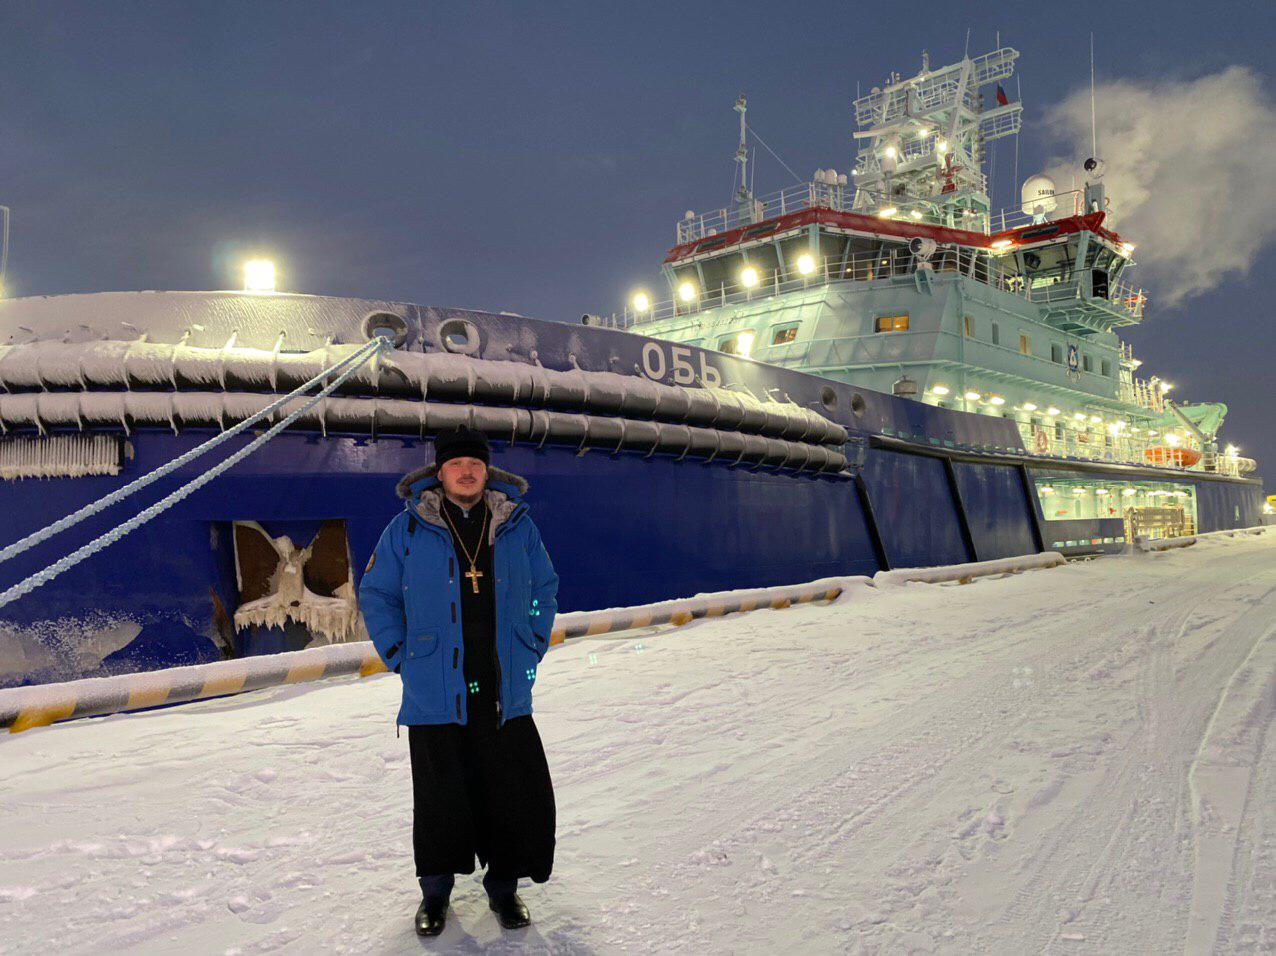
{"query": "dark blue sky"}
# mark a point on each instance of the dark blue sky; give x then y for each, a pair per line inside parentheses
(530, 157)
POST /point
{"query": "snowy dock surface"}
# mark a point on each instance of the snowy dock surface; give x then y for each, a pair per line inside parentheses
(1076, 760)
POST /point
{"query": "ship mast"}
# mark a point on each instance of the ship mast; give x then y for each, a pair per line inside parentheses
(922, 140)
(743, 195)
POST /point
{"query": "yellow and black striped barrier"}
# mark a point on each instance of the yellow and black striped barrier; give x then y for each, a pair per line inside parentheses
(1165, 544)
(678, 613)
(23, 708)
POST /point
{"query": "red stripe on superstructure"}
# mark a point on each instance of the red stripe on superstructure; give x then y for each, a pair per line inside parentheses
(890, 228)
(1034, 233)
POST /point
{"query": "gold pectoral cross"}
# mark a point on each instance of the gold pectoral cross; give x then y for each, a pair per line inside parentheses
(474, 574)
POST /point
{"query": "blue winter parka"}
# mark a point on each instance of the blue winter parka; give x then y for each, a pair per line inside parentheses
(410, 598)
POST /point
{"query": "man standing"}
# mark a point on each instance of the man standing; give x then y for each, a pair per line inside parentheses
(459, 598)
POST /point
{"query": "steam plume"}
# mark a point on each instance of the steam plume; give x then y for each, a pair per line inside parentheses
(1189, 177)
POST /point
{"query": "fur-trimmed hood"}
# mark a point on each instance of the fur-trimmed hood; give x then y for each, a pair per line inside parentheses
(427, 476)
(421, 494)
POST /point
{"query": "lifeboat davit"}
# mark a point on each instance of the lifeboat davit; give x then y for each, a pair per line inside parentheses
(1175, 457)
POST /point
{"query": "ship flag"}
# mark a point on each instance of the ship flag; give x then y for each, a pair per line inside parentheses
(1002, 99)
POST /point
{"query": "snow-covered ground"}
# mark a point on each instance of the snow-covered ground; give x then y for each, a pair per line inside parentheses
(1073, 760)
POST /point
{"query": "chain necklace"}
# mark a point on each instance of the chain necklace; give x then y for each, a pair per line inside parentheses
(473, 573)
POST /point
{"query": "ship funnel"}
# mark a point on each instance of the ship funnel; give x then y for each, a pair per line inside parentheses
(1038, 197)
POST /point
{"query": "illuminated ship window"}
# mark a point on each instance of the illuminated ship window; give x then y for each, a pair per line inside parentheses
(784, 335)
(740, 343)
(891, 323)
(1025, 344)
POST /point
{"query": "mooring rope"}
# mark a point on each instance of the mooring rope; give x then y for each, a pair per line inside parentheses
(373, 348)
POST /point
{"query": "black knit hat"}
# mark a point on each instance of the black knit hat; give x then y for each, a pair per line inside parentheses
(461, 443)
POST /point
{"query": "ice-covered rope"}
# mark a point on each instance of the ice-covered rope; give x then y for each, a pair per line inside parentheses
(29, 584)
(36, 537)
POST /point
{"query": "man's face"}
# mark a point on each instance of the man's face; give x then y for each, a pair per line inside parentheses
(463, 478)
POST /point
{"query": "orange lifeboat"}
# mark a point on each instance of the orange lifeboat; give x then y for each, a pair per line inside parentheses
(1173, 457)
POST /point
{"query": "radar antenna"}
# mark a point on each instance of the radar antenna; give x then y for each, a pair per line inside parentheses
(922, 140)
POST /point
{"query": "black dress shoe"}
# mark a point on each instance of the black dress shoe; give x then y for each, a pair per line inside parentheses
(431, 917)
(511, 911)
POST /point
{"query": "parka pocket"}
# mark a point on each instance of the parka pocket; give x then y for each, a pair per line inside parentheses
(422, 645)
(422, 672)
(529, 640)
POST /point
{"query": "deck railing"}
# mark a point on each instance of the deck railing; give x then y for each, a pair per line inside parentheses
(868, 267)
(1122, 447)
(841, 197)
(1145, 394)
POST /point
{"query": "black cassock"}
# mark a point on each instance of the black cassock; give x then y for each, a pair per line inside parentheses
(480, 789)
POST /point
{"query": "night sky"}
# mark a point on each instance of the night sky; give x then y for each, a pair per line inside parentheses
(535, 157)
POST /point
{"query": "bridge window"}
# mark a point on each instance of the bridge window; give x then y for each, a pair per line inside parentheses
(784, 334)
(741, 343)
(1025, 344)
(1107, 368)
(1056, 353)
(891, 323)
(996, 334)
(1087, 363)
(970, 325)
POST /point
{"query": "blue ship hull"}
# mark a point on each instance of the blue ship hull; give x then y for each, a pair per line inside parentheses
(922, 486)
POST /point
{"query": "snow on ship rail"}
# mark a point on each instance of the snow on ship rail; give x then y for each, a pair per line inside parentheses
(55, 385)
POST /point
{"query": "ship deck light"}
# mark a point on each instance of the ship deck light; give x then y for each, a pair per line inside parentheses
(940, 389)
(973, 396)
(1053, 412)
(687, 292)
(887, 212)
(1029, 407)
(805, 264)
(641, 302)
(259, 275)
(749, 277)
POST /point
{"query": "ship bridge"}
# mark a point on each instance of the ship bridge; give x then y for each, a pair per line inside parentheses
(1072, 269)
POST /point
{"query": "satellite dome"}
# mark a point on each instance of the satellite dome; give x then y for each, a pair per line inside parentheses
(1038, 196)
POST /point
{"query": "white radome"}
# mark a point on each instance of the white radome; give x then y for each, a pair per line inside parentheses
(1038, 196)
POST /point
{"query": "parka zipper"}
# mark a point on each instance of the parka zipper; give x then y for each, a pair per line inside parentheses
(496, 624)
(500, 680)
